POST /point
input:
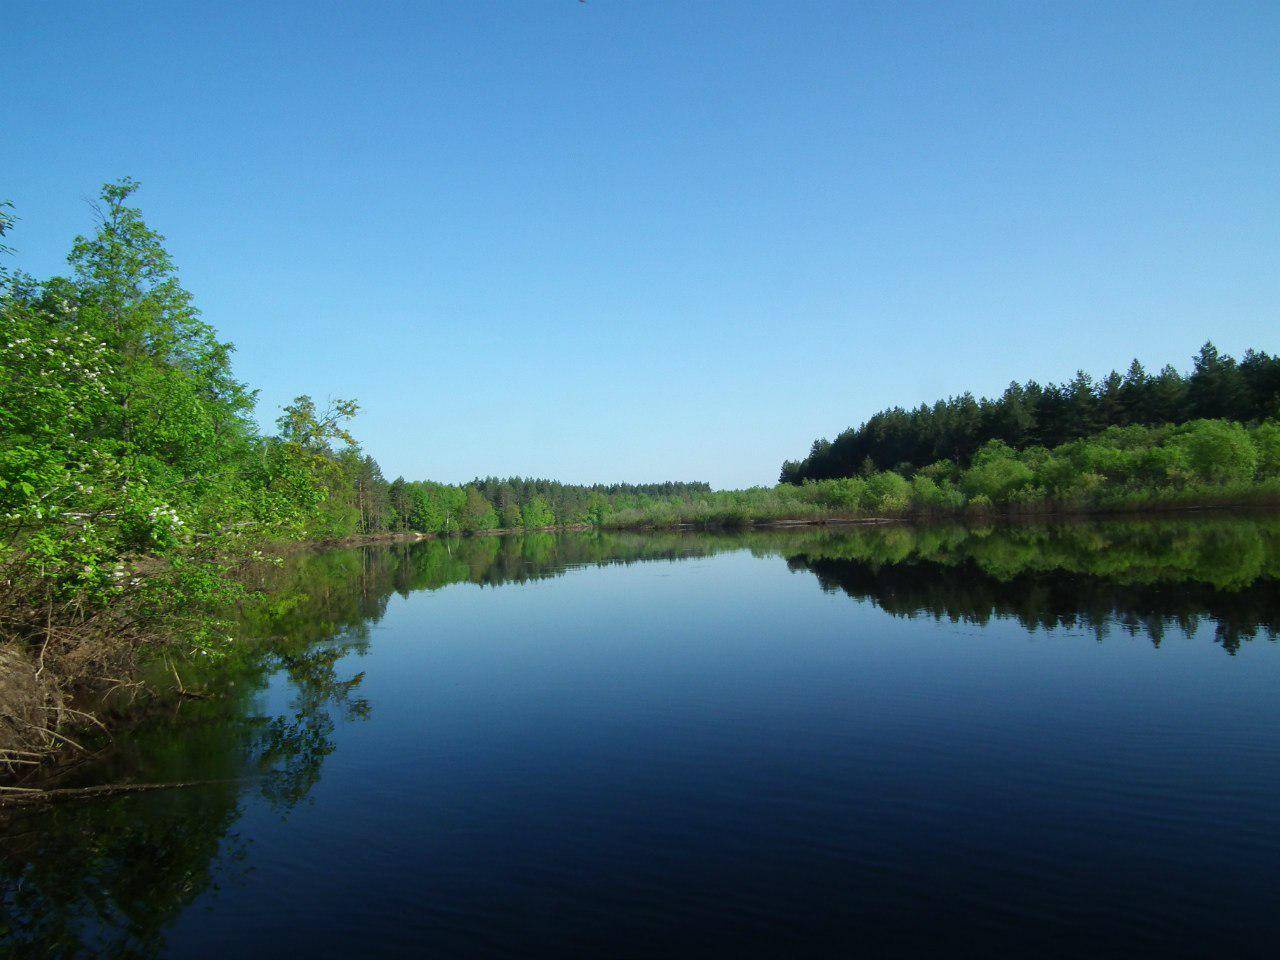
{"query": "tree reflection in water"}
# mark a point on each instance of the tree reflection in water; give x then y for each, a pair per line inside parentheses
(107, 877)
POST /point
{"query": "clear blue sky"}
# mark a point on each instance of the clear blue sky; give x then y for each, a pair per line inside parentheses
(644, 241)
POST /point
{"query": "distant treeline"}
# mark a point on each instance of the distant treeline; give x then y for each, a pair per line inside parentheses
(1029, 415)
(1198, 464)
(496, 503)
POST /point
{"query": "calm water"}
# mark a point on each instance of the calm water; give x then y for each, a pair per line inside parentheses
(1048, 741)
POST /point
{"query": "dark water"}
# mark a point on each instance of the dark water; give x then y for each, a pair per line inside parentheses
(1040, 741)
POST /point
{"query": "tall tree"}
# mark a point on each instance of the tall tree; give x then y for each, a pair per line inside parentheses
(1217, 389)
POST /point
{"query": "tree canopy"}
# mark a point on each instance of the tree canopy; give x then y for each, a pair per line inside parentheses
(1029, 414)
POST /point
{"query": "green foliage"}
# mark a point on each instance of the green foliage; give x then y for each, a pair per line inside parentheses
(477, 512)
(1217, 451)
(536, 513)
(509, 514)
(131, 474)
(847, 493)
(1266, 441)
(996, 473)
(1204, 462)
(514, 502)
(1028, 415)
(888, 493)
(929, 495)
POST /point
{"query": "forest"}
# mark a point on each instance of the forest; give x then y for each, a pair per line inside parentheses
(1030, 415)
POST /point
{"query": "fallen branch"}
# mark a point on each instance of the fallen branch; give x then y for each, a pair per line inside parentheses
(14, 796)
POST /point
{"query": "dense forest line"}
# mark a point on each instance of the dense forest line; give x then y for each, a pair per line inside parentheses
(511, 503)
(1204, 463)
(1136, 441)
(1029, 415)
(1135, 467)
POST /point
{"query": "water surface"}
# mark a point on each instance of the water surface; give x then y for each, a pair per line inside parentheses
(1048, 740)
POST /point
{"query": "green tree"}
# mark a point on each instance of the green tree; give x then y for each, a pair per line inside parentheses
(509, 515)
(399, 503)
(996, 473)
(478, 513)
(536, 513)
(1219, 451)
(132, 477)
(1266, 441)
(1217, 389)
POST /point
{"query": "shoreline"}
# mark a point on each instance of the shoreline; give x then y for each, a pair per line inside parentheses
(912, 519)
(23, 693)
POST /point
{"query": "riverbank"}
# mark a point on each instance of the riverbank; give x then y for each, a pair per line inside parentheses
(45, 718)
(375, 675)
(919, 503)
(414, 536)
(1047, 513)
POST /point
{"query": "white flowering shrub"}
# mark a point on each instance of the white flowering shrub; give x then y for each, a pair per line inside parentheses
(132, 479)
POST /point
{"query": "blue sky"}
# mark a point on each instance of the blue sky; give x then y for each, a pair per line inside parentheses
(646, 241)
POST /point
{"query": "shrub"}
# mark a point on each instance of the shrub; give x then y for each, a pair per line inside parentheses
(1266, 440)
(888, 492)
(928, 494)
(996, 473)
(1218, 451)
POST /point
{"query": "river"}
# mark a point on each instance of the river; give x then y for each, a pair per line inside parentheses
(1049, 740)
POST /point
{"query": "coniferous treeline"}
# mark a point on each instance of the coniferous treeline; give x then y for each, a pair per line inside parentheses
(1027, 415)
